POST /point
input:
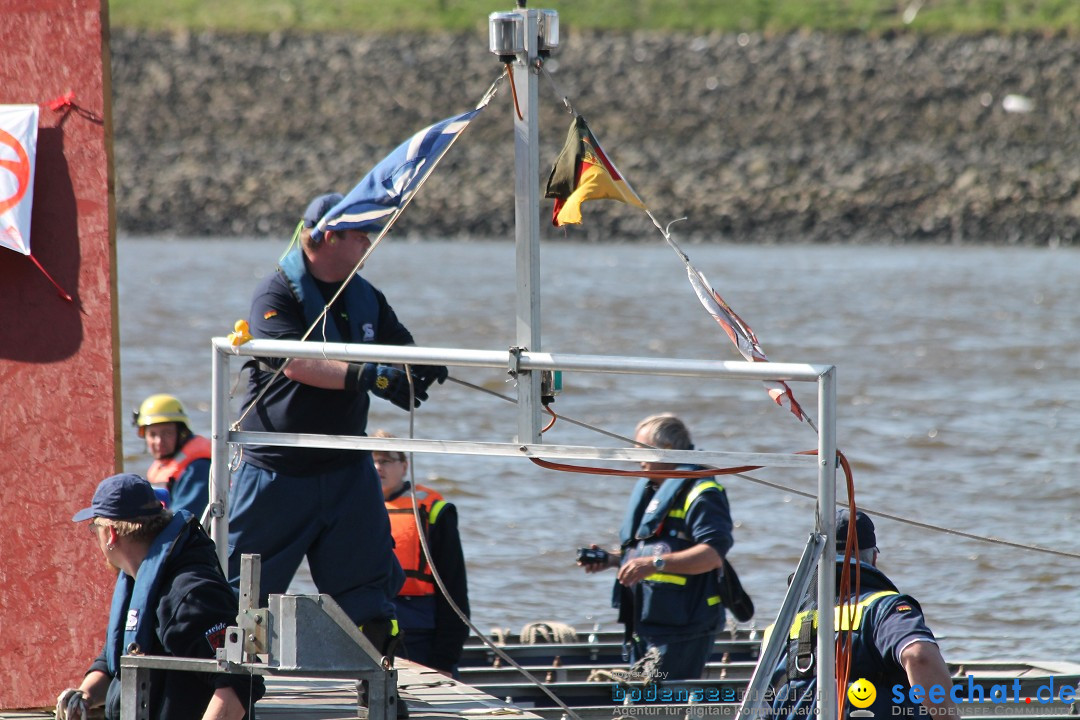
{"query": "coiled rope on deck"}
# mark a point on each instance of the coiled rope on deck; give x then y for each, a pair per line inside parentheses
(547, 631)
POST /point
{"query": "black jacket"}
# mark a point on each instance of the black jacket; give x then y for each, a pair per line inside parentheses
(195, 606)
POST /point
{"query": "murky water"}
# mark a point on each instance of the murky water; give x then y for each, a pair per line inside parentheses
(958, 389)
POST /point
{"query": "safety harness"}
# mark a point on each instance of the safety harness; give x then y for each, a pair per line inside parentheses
(802, 637)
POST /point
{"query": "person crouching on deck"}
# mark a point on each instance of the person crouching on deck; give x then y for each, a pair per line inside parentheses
(171, 598)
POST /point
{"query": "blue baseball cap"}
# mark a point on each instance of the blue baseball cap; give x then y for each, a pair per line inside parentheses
(121, 497)
(864, 529)
(318, 207)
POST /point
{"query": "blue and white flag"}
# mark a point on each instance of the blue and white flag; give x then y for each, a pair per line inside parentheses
(388, 185)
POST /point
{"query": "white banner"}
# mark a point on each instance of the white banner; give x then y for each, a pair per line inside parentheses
(18, 150)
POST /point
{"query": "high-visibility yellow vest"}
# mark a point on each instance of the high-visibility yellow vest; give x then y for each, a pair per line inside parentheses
(680, 514)
(851, 620)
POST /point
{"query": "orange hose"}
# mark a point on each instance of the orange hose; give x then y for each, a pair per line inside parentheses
(554, 417)
(654, 474)
(846, 593)
(513, 91)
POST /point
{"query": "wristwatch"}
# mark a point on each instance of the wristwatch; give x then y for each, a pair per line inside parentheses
(658, 562)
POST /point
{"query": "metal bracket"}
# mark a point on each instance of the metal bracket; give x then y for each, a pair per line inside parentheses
(298, 635)
(514, 361)
(249, 638)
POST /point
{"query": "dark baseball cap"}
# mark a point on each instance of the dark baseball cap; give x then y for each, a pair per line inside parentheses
(864, 529)
(121, 497)
(318, 207)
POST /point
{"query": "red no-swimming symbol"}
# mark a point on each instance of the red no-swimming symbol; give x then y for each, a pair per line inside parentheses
(20, 168)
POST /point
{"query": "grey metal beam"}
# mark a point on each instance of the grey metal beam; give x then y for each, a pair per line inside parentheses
(219, 457)
(548, 452)
(529, 360)
(753, 704)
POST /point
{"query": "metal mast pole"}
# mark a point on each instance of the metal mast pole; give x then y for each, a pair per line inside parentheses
(527, 222)
(219, 458)
(826, 526)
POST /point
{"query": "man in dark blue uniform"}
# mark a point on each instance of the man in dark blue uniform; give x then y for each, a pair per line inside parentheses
(891, 644)
(674, 537)
(171, 598)
(288, 502)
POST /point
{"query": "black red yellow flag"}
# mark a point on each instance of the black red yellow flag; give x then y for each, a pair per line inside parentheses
(583, 172)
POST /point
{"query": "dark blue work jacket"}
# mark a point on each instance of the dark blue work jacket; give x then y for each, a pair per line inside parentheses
(680, 514)
(285, 305)
(873, 656)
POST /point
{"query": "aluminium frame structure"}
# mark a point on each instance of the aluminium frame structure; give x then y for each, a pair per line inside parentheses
(525, 366)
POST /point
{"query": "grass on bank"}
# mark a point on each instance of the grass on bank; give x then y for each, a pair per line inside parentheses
(770, 16)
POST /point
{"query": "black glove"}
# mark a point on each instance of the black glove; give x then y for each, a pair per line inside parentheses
(384, 381)
(426, 375)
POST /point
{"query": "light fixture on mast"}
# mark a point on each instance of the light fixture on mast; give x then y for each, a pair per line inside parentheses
(506, 32)
(549, 31)
(506, 35)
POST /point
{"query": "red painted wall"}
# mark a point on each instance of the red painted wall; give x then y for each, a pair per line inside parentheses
(59, 361)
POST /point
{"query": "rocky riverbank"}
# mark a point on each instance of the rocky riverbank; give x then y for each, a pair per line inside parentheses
(804, 137)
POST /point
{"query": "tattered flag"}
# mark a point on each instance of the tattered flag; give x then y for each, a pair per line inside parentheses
(743, 337)
(583, 172)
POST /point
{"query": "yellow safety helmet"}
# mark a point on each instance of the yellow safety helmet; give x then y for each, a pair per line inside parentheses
(159, 409)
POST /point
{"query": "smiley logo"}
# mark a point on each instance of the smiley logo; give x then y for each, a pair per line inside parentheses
(862, 693)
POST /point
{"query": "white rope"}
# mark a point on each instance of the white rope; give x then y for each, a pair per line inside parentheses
(491, 91)
(547, 631)
(442, 586)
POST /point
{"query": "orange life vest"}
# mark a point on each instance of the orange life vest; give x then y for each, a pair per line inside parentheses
(418, 578)
(166, 471)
